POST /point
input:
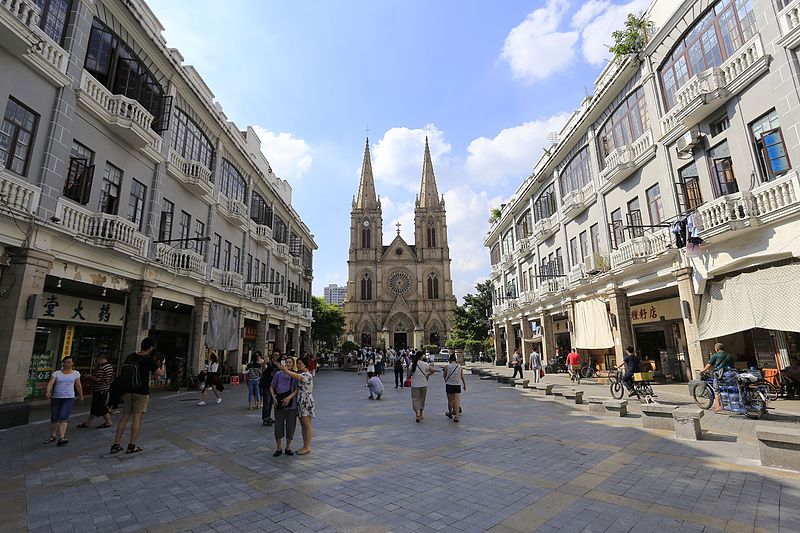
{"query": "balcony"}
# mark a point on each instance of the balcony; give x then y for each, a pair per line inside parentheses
(125, 116)
(17, 194)
(544, 228)
(551, 287)
(106, 231)
(278, 301)
(294, 308)
(258, 293)
(283, 251)
(182, 261)
(497, 270)
(307, 313)
(625, 160)
(507, 262)
(789, 21)
(308, 273)
(21, 34)
(709, 90)
(192, 174)
(296, 264)
(234, 210)
(575, 202)
(576, 275)
(766, 203)
(640, 249)
(227, 281)
(524, 246)
(263, 234)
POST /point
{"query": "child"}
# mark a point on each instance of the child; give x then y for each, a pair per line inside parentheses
(375, 385)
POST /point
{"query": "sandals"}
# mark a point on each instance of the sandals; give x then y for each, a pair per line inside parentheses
(83, 425)
(277, 453)
(302, 452)
(455, 419)
(62, 442)
(132, 448)
(101, 426)
(115, 448)
(50, 439)
(448, 415)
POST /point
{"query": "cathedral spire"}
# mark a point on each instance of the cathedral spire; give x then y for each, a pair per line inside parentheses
(428, 194)
(367, 199)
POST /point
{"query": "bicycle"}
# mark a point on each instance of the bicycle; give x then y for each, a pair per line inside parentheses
(588, 371)
(643, 390)
(575, 376)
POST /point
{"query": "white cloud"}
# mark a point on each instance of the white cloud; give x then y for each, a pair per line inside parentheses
(535, 48)
(397, 157)
(289, 156)
(394, 212)
(596, 30)
(512, 153)
(588, 11)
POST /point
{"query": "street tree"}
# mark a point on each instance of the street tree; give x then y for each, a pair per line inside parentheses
(328, 324)
(471, 320)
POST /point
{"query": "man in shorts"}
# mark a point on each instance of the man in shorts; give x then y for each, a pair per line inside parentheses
(101, 383)
(573, 362)
(135, 403)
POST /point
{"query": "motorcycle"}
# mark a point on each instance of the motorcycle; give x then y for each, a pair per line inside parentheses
(743, 392)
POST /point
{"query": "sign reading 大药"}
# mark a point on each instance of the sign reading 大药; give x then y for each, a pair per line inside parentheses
(81, 310)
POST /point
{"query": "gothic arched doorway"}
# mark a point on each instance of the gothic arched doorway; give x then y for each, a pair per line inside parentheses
(400, 337)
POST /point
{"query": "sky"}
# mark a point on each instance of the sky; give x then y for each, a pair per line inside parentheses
(486, 81)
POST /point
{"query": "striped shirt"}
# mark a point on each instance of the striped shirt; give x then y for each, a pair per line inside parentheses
(104, 375)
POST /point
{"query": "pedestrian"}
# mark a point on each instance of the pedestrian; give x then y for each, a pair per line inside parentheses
(101, 383)
(371, 362)
(134, 384)
(573, 362)
(720, 361)
(453, 382)
(375, 386)
(536, 366)
(632, 365)
(312, 365)
(253, 371)
(270, 369)
(283, 391)
(305, 404)
(516, 363)
(61, 392)
(379, 363)
(213, 380)
(399, 370)
(420, 373)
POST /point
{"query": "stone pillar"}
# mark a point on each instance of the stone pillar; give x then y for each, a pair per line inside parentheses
(296, 340)
(239, 357)
(548, 338)
(509, 340)
(262, 333)
(280, 337)
(623, 332)
(526, 333)
(23, 279)
(137, 316)
(197, 344)
(687, 294)
(418, 340)
(496, 340)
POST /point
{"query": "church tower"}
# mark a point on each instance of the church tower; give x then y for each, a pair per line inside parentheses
(399, 295)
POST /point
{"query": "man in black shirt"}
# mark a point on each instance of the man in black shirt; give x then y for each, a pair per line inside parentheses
(135, 402)
(632, 365)
(270, 368)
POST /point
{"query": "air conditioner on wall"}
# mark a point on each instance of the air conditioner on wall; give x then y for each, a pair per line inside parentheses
(688, 141)
(589, 266)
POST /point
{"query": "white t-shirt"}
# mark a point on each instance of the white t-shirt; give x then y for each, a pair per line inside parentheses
(213, 368)
(420, 377)
(64, 386)
(536, 360)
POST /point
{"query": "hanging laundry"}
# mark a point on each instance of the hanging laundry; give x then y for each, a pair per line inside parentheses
(694, 224)
(679, 230)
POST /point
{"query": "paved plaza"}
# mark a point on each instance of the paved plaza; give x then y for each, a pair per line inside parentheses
(515, 463)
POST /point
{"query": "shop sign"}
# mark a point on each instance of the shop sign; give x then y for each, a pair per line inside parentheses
(39, 375)
(69, 335)
(82, 310)
(561, 326)
(656, 311)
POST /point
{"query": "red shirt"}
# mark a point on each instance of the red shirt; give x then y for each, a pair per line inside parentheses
(573, 358)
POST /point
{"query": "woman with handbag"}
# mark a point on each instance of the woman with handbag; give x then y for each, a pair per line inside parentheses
(453, 381)
(305, 404)
(420, 372)
(284, 390)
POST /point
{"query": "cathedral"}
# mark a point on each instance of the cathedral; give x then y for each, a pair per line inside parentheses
(399, 295)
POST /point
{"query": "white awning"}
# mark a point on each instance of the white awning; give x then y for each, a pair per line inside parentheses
(768, 298)
(592, 327)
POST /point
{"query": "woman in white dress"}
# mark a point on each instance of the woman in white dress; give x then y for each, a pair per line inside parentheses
(305, 403)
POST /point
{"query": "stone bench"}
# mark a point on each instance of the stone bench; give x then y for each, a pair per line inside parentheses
(687, 422)
(558, 392)
(779, 446)
(487, 378)
(576, 395)
(475, 371)
(521, 382)
(657, 416)
(544, 389)
(596, 405)
(616, 408)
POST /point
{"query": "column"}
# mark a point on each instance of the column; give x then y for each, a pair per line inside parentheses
(22, 280)
(137, 315)
(197, 344)
(418, 338)
(240, 357)
(296, 340)
(496, 341)
(280, 337)
(623, 332)
(526, 333)
(687, 294)
(262, 333)
(509, 340)
(548, 338)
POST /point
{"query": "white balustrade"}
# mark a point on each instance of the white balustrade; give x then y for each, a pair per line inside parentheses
(116, 109)
(278, 301)
(283, 250)
(294, 308)
(101, 229)
(49, 52)
(263, 234)
(258, 293)
(180, 260)
(227, 280)
(724, 212)
(17, 194)
(551, 286)
(789, 17)
(545, 227)
(624, 160)
(640, 248)
(25, 11)
(307, 313)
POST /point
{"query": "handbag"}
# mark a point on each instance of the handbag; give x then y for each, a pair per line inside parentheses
(407, 382)
(541, 372)
(279, 397)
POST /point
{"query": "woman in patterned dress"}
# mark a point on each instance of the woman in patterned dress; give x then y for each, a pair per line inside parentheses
(305, 404)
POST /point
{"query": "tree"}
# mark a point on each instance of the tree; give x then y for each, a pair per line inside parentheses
(494, 215)
(633, 38)
(349, 346)
(328, 323)
(471, 320)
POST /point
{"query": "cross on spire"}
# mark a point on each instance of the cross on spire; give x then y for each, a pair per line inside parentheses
(398, 227)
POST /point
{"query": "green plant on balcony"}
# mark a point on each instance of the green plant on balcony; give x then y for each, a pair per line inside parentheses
(633, 38)
(494, 215)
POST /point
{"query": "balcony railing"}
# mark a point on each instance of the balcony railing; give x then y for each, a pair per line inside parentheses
(544, 228)
(100, 229)
(234, 210)
(623, 161)
(183, 261)
(497, 269)
(227, 280)
(263, 234)
(711, 88)
(523, 245)
(258, 293)
(283, 250)
(192, 174)
(575, 202)
(552, 286)
(789, 21)
(17, 194)
(296, 264)
(640, 249)
(294, 308)
(507, 261)
(125, 115)
(576, 275)
(307, 313)
(278, 301)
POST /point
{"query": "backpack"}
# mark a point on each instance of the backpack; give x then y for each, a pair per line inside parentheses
(129, 376)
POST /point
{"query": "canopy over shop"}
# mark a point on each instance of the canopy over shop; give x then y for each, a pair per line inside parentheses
(593, 332)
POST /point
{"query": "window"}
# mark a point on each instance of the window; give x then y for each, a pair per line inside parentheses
(109, 195)
(78, 185)
(199, 235)
(295, 244)
(627, 123)
(16, 137)
(232, 183)
(366, 287)
(237, 259)
(689, 188)
(584, 243)
(654, 206)
(263, 272)
(494, 254)
(366, 238)
(617, 230)
(559, 262)
(524, 225)
(431, 235)
(190, 141)
(433, 287)
(136, 203)
(594, 236)
(226, 256)
(53, 19)
(576, 174)
(260, 211)
(249, 267)
(217, 249)
(710, 40)
(635, 218)
(722, 170)
(279, 229)
(256, 271)
(545, 204)
(573, 250)
(718, 126)
(770, 148)
(508, 243)
(165, 226)
(185, 227)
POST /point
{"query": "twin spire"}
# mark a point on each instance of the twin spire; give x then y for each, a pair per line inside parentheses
(428, 193)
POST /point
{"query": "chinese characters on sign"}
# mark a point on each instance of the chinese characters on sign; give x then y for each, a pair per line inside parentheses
(81, 310)
(655, 311)
(69, 335)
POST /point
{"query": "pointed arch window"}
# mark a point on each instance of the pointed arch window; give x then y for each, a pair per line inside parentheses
(366, 238)
(431, 235)
(433, 287)
(366, 287)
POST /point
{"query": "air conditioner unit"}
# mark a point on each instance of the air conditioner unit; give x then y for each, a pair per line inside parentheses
(688, 141)
(589, 265)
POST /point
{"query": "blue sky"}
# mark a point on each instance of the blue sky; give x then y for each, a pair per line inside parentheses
(487, 81)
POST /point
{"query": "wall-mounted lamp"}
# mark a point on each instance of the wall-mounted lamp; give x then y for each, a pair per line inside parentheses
(104, 291)
(59, 283)
(161, 304)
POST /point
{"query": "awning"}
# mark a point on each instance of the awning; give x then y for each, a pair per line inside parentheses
(592, 327)
(768, 298)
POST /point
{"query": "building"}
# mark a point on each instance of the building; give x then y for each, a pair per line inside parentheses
(335, 294)
(398, 295)
(130, 205)
(698, 130)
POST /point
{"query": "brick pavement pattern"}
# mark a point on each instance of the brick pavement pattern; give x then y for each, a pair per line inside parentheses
(516, 462)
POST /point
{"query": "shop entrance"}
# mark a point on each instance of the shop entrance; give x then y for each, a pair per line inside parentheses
(400, 340)
(650, 344)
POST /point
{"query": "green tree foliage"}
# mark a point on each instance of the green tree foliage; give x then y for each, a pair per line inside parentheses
(349, 346)
(471, 320)
(494, 215)
(328, 323)
(633, 38)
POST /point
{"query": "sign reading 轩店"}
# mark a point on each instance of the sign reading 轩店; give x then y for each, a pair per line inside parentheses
(75, 309)
(656, 311)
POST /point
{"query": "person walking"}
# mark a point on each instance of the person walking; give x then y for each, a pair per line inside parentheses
(61, 392)
(253, 371)
(573, 362)
(536, 366)
(284, 391)
(213, 381)
(420, 373)
(136, 394)
(305, 404)
(516, 363)
(453, 383)
(101, 383)
(270, 369)
(399, 370)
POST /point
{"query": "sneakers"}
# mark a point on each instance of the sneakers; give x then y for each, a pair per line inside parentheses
(219, 400)
(201, 403)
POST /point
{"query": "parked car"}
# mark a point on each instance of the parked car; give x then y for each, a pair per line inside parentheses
(444, 355)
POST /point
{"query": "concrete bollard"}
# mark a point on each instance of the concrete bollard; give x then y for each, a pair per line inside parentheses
(616, 408)
(687, 423)
(658, 416)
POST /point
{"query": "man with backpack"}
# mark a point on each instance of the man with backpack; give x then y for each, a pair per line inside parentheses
(133, 383)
